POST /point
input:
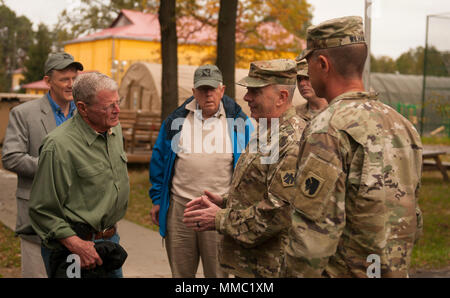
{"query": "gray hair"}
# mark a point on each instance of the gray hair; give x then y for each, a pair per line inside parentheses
(87, 85)
(289, 88)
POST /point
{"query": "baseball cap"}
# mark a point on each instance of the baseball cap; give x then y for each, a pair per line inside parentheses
(334, 33)
(270, 72)
(207, 75)
(60, 61)
(302, 67)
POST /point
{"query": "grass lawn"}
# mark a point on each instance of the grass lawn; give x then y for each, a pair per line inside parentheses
(9, 252)
(139, 204)
(436, 141)
(433, 249)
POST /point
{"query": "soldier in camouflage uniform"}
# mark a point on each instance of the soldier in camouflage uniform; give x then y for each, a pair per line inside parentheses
(359, 170)
(314, 104)
(256, 216)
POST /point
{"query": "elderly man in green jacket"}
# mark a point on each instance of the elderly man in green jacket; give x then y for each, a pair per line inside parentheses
(81, 188)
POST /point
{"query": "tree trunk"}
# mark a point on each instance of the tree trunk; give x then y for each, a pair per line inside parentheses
(169, 56)
(226, 44)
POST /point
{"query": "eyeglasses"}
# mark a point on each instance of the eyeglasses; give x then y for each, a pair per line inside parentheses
(111, 107)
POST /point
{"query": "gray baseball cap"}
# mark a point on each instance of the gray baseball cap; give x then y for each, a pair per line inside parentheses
(207, 75)
(60, 61)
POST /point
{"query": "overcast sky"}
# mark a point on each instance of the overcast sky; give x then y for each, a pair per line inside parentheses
(397, 25)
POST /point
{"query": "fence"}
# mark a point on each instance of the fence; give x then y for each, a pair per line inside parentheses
(435, 111)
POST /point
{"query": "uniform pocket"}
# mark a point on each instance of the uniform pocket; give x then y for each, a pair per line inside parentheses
(315, 184)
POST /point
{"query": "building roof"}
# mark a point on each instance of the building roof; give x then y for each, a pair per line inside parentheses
(36, 85)
(131, 24)
(128, 25)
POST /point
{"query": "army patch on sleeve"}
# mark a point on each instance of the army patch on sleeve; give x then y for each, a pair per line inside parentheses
(311, 185)
(288, 178)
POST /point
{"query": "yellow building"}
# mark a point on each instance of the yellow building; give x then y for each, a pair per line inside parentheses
(17, 76)
(38, 88)
(135, 36)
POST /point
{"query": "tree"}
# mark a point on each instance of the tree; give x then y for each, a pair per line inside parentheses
(384, 64)
(226, 43)
(249, 17)
(37, 55)
(169, 45)
(412, 62)
(60, 34)
(436, 63)
(92, 15)
(409, 62)
(293, 15)
(15, 33)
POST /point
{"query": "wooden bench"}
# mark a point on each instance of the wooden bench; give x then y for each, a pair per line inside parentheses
(435, 155)
(145, 131)
(127, 121)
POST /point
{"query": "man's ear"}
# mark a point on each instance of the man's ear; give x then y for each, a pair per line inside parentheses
(47, 80)
(324, 63)
(283, 98)
(81, 108)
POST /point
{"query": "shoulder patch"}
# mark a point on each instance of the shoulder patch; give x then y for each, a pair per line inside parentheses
(288, 178)
(312, 185)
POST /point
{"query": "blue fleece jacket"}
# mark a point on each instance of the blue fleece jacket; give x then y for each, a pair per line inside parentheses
(163, 156)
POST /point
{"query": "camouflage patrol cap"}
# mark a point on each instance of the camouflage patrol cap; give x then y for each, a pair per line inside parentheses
(334, 33)
(60, 61)
(270, 72)
(207, 75)
(302, 67)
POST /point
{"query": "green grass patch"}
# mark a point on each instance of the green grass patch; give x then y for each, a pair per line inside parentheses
(436, 141)
(433, 249)
(139, 204)
(9, 248)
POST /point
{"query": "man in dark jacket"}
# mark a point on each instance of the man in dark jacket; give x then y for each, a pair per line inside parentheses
(197, 148)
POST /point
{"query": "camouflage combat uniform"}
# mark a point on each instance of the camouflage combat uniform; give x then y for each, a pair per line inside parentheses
(357, 181)
(357, 190)
(303, 110)
(305, 113)
(256, 217)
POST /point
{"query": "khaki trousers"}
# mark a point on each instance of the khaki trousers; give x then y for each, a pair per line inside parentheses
(32, 263)
(185, 247)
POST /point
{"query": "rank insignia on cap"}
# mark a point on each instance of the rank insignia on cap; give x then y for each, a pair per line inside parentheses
(311, 185)
(288, 178)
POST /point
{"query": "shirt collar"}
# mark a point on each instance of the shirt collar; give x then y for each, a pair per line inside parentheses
(352, 95)
(89, 133)
(57, 108)
(283, 120)
(194, 107)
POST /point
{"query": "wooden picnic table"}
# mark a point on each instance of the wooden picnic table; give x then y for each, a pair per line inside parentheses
(435, 155)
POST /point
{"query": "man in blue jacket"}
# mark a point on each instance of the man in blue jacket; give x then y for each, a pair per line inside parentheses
(197, 148)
